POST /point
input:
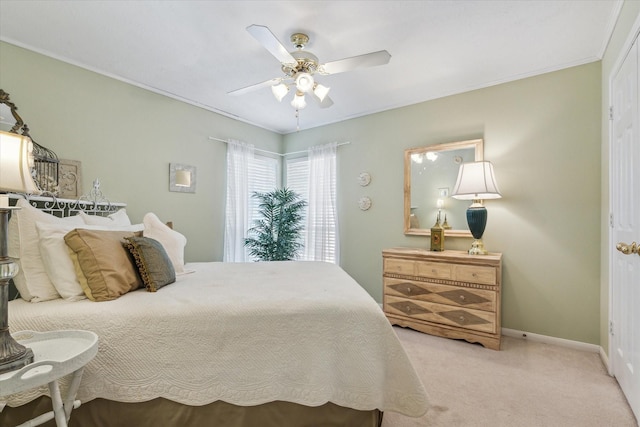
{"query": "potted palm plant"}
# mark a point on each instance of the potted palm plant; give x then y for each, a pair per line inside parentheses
(276, 236)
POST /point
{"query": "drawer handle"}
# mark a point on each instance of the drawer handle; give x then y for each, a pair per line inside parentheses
(433, 270)
(408, 289)
(408, 308)
(474, 274)
(461, 297)
(462, 319)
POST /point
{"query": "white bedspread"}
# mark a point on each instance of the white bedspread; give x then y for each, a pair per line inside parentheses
(247, 334)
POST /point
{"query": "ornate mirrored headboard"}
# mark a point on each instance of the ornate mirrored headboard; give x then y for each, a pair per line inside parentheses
(429, 176)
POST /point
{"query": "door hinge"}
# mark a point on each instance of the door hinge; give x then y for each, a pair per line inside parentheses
(611, 328)
(611, 220)
(611, 113)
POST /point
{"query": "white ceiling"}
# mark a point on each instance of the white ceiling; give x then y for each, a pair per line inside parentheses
(197, 51)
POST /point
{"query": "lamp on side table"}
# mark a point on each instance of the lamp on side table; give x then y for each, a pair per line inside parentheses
(16, 162)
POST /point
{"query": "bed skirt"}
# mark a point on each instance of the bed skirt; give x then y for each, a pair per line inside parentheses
(166, 413)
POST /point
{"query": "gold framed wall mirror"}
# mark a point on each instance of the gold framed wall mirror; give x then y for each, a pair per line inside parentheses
(429, 176)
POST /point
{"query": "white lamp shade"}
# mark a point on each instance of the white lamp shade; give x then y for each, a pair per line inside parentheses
(304, 82)
(279, 91)
(476, 181)
(298, 101)
(183, 178)
(16, 159)
(320, 91)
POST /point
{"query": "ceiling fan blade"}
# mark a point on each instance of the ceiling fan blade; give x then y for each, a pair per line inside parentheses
(347, 64)
(325, 103)
(256, 86)
(271, 43)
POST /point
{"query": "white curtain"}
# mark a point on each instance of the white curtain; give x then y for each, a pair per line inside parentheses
(321, 241)
(239, 155)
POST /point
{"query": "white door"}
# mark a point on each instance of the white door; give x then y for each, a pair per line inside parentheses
(625, 255)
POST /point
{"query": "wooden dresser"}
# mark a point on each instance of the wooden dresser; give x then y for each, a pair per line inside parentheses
(451, 293)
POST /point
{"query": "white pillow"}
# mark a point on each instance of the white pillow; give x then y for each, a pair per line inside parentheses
(56, 258)
(116, 219)
(172, 241)
(32, 280)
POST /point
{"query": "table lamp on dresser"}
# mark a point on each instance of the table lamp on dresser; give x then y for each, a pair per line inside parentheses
(476, 181)
(16, 163)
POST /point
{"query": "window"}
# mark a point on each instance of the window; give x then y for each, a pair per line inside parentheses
(263, 178)
(312, 177)
(246, 173)
(297, 179)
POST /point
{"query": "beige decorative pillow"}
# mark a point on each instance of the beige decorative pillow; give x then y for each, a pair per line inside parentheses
(154, 266)
(55, 255)
(104, 268)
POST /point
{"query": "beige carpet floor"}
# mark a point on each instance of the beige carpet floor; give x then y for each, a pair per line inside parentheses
(526, 384)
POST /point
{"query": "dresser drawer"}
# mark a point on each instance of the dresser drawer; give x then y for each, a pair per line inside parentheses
(467, 318)
(442, 294)
(400, 266)
(475, 274)
(434, 270)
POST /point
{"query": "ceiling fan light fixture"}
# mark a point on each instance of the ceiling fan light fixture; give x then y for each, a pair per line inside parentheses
(304, 82)
(298, 101)
(280, 91)
(299, 67)
(320, 91)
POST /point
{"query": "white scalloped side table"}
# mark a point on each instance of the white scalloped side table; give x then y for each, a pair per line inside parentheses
(56, 354)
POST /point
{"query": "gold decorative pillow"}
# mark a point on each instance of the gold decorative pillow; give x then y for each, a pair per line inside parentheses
(104, 267)
(154, 266)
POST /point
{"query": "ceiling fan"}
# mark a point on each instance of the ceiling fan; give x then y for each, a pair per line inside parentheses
(300, 66)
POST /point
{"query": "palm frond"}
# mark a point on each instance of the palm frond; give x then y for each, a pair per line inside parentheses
(276, 236)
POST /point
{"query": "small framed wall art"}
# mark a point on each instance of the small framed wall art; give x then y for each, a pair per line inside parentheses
(182, 178)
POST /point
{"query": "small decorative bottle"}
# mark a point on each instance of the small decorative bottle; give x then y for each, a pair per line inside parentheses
(437, 236)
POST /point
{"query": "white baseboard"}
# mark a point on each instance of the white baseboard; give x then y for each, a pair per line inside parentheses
(576, 345)
(605, 361)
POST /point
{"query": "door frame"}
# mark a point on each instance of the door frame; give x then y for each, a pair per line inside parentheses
(634, 34)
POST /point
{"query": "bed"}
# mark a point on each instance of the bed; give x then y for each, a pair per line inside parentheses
(267, 343)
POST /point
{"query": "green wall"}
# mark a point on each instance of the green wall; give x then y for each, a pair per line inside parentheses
(543, 136)
(127, 136)
(626, 24)
(541, 133)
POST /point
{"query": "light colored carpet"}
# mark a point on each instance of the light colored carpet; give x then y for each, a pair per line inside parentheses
(526, 384)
